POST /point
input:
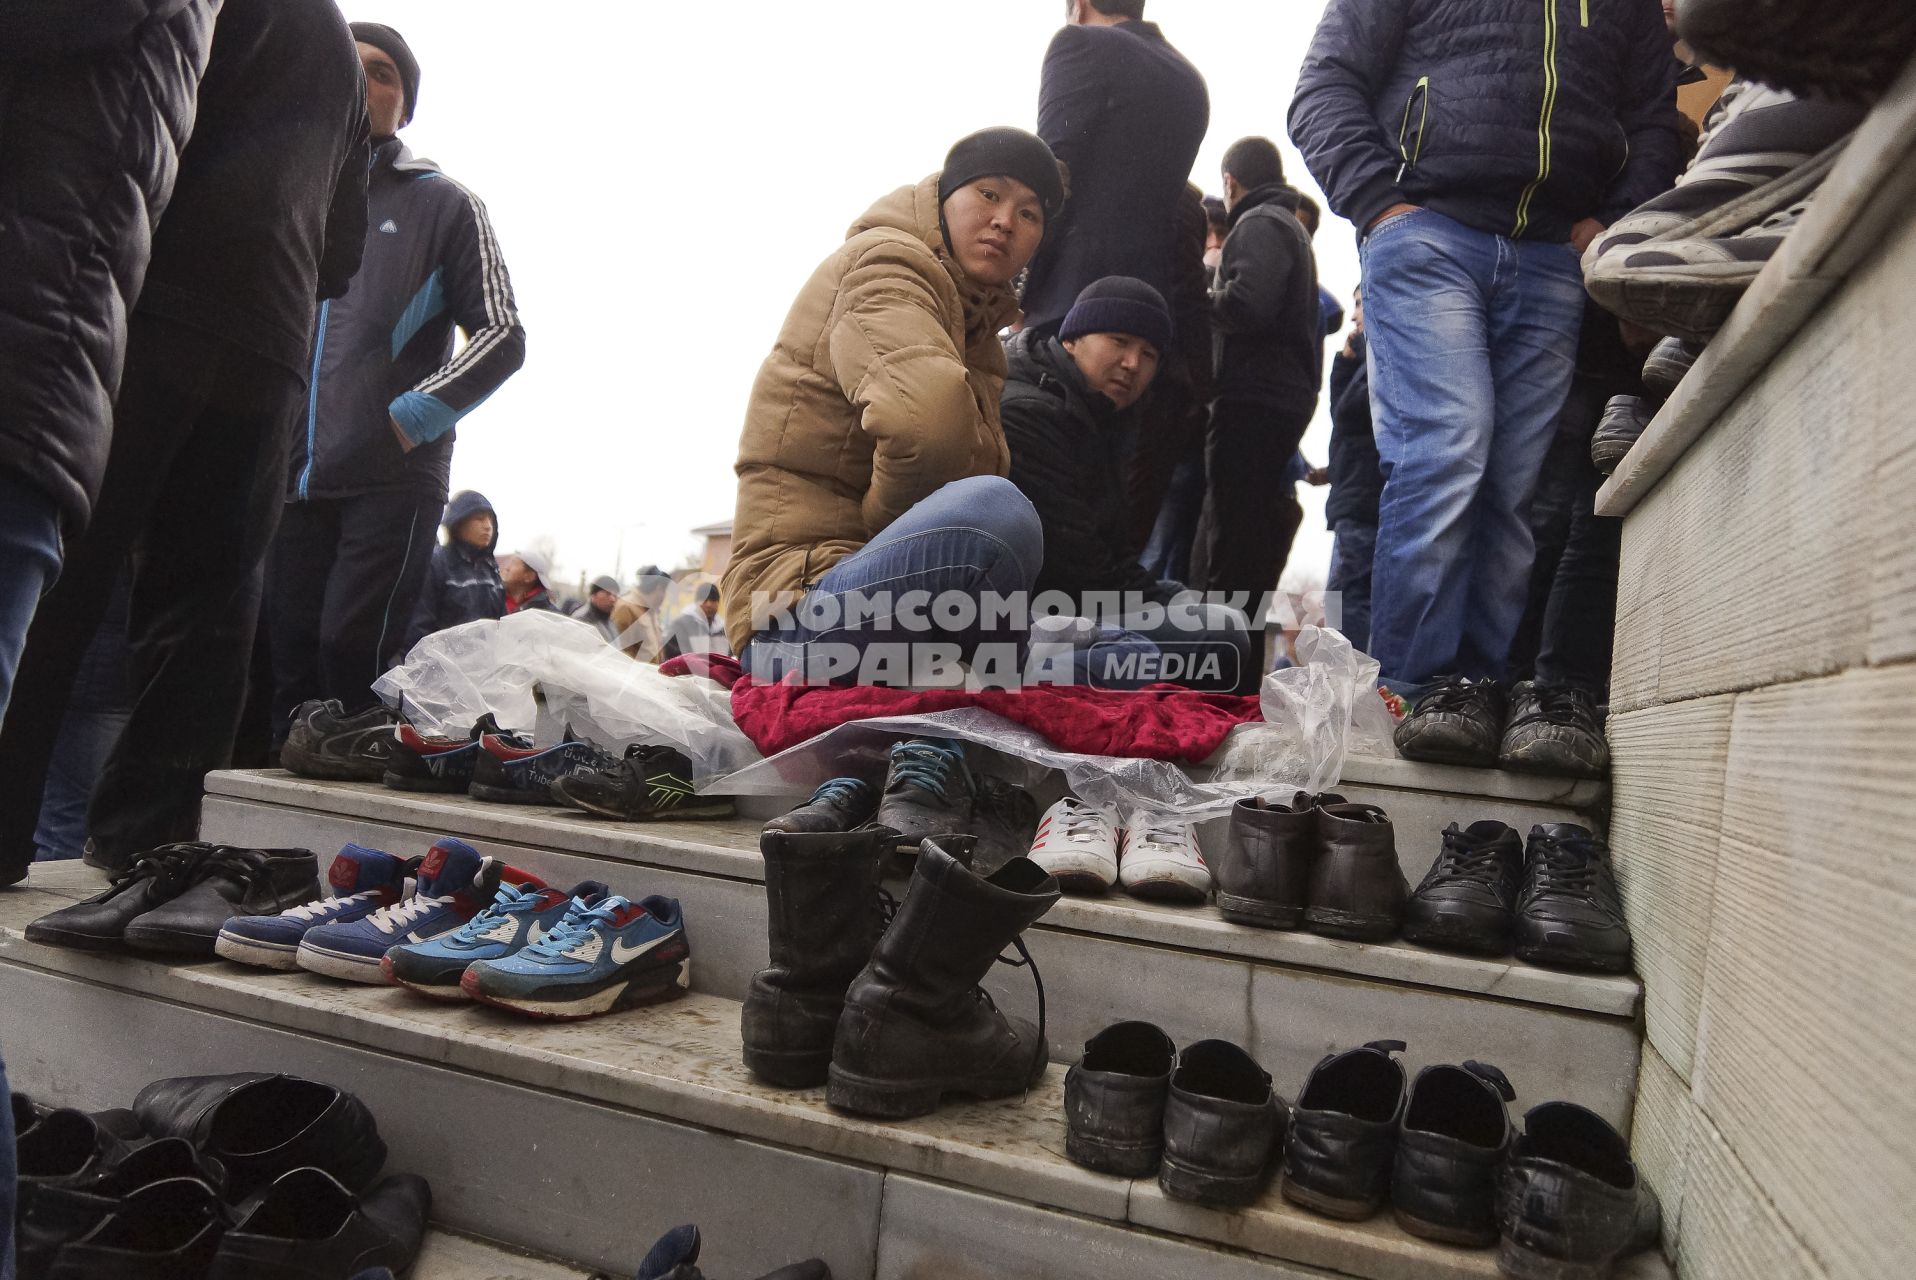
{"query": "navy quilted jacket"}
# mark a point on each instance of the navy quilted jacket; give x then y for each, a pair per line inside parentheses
(1517, 117)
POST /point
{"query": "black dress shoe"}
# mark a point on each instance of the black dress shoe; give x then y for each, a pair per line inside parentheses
(1264, 873)
(99, 923)
(1343, 1137)
(227, 882)
(840, 804)
(53, 1213)
(1456, 721)
(1569, 914)
(1114, 1100)
(1569, 1201)
(1456, 1130)
(308, 1227)
(1222, 1124)
(259, 1126)
(1466, 899)
(163, 1231)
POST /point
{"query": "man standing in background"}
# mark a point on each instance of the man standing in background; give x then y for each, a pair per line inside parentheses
(1478, 149)
(1125, 113)
(372, 457)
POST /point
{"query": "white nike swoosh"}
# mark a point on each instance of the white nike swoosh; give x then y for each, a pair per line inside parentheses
(621, 955)
(535, 933)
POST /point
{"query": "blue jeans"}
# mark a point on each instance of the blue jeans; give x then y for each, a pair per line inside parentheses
(971, 538)
(1473, 341)
(1352, 551)
(1168, 553)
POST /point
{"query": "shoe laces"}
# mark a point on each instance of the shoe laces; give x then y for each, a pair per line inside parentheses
(402, 914)
(330, 905)
(171, 865)
(511, 901)
(1565, 705)
(1081, 823)
(841, 792)
(1042, 1049)
(931, 768)
(1456, 694)
(1462, 858)
(576, 931)
(1566, 864)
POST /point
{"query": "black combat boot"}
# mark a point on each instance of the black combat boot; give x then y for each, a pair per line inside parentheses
(823, 918)
(916, 1026)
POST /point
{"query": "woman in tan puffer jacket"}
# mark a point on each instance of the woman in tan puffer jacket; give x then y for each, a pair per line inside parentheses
(872, 459)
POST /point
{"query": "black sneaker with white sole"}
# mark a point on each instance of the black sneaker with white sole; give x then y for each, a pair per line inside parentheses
(327, 743)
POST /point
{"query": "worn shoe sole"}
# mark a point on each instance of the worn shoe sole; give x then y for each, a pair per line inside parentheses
(705, 809)
(1444, 1233)
(176, 941)
(1349, 925)
(790, 1068)
(653, 986)
(1257, 912)
(1203, 1186)
(1339, 1207)
(1520, 1263)
(1433, 747)
(508, 795)
(1550, 957)
(56, 936)
(253, 951)
(338, 964)
(1556, 757)
(310, 764)
(1165, 880)
(431, 990)
(1452, 932)
(447, 786)
(883, 1099)
(1120, 1159)
(1078, 872)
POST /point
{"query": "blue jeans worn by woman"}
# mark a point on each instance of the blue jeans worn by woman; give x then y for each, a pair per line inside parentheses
(975, 539)
(1473, 340)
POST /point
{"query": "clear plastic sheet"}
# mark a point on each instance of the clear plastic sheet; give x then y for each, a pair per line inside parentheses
(1315, 714)
(540, 672)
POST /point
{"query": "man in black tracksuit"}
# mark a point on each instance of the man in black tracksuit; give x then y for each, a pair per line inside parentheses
(1269, 363)
(267, 216)
(372, 459)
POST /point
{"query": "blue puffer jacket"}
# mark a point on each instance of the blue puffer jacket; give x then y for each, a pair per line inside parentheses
(1517, 117)
(462, 584)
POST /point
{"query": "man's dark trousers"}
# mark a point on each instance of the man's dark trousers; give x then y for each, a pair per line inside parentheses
(1246, 530)
(345, 576)
(192, 491)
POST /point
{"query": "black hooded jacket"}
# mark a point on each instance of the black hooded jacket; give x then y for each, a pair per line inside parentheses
(462, 583)
(1068, 445)
(1357, 479)
(1270, 343)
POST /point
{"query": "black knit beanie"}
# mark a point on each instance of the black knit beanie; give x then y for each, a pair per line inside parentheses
(1012, 153)
(393, 45)
(1119, 304)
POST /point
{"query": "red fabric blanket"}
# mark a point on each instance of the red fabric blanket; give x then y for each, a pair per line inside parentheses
(1158, 722)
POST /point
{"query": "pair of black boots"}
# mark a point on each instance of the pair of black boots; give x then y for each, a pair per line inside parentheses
(176, 898)
(1562, 1199)
(1556, 899)
(1316, 862)
(885, 1009)
(1206, 1120)
(236, 1177)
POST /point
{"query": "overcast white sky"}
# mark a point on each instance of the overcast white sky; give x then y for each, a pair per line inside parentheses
(664, 176)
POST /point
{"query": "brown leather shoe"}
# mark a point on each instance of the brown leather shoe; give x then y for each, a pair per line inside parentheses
(1357, 886)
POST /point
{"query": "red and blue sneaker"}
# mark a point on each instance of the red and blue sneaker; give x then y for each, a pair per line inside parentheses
(454, 883)
(362, 881)
(509, 770)
(423, 763)
(517, 918)
(616, 955)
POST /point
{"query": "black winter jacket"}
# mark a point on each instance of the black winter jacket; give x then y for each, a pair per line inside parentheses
(96, 102)
(462, 583)
(1270, 346)
(1516, 117)
(269, 215)
(384, 351)
(1357, 478)
(1126, 113)
(1068, 445)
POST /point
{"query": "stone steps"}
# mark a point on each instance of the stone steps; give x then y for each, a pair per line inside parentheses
(449, 1256)
(1288, 997)
(585, 1141)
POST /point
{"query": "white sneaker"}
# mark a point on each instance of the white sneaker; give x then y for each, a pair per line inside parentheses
(1163, 863)
(1079, 845)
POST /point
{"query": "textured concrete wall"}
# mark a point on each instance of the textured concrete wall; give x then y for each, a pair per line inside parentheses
(1764, 730)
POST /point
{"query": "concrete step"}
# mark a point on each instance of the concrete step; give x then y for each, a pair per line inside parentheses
(1288, 997)
(450, 1256)
(586, 1141)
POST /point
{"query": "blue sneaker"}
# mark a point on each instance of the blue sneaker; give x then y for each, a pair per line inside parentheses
(453, 884)
(613, 956)
(362, 880)
(510, 770)
(517, 918)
